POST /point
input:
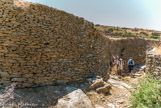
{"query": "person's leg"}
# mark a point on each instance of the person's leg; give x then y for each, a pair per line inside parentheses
(117, 69)
(131, 71)
(121, 72)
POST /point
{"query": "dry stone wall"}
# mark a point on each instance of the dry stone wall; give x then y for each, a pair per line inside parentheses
(42, 45)
(153, 63)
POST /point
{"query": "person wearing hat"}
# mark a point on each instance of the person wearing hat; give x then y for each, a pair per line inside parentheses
(121, 66)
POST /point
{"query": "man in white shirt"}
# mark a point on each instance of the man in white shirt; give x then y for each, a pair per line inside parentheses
(116, 63)
(121, 66)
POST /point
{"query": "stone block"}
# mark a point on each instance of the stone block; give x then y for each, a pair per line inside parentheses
(18, 79)
(4, 74)
(28, 75)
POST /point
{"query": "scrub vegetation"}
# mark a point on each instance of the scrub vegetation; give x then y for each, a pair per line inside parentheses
(148, 94)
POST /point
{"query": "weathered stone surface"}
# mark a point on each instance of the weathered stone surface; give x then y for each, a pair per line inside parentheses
(119, 84)
(4, 74)
(75, 99)
(70, 89)
(120, 101)
(5, 82)
(28, 75)
(47, 45)
(136, 48)
(105, 89)
(18, 79)
(98, 83)
(153, 63)
(98, 106)
(38, 41)
(100, 86)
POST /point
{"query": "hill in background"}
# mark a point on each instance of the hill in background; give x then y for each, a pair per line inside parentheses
(112, 31)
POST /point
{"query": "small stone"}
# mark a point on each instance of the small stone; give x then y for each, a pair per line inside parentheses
(121, 101)
(96, 84)
(98, 106)
(105, 89)
(89, 79)
(110, 106)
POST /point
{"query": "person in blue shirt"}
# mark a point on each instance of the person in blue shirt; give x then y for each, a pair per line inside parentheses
(131, 64)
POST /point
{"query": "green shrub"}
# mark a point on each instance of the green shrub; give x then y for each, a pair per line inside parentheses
(147, 95)
(129, 33)
(96, 27)
(143, 34)
(111, 29)
(154, 37)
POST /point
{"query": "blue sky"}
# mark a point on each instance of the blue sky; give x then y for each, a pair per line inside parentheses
(123, 13)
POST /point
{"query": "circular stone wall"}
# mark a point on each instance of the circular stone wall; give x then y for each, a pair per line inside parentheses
(42, 45)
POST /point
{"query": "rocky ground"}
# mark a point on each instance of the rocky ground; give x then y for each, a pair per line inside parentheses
(115, 93)
(94, 92)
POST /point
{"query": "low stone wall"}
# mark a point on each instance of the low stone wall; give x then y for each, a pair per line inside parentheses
(42, 45)
(153, 63)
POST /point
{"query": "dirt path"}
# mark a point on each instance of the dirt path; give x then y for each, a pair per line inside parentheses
(117, 98)
(119, 95)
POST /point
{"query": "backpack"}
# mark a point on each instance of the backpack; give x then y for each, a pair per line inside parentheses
(130, 62)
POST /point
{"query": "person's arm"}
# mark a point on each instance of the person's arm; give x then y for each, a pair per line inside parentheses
(114, 62)
(128, 62)
(134, 62)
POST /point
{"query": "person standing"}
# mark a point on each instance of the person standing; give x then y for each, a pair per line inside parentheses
(131, 64)
(116, 62)
(121, 67)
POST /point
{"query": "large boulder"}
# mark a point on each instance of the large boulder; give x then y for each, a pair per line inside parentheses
(75, 99)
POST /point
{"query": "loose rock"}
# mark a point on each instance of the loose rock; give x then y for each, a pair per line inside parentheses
(75, 99)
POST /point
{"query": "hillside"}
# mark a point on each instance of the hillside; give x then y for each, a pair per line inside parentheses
(112, 31)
